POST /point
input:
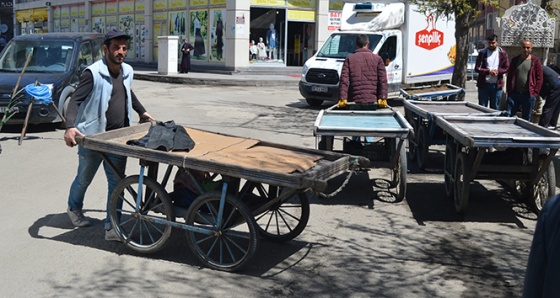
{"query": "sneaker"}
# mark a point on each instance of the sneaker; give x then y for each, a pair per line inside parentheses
(77, 218)
(111, 235)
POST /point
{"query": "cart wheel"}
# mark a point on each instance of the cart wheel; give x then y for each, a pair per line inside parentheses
(449, 161)
(544, 189)
(286, 219)
(461, 189)
(398, 177)
(136, 212)
(421, 147)
(225, 241)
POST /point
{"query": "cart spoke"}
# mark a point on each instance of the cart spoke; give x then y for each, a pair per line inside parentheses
(205, 218)
(142, 223)
(281, 214)
(129, 236)
(262, 192)
(228, 246)
(123, 199)
(148, 201)
(232, 255)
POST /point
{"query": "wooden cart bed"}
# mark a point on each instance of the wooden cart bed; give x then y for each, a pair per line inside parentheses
(239, 157)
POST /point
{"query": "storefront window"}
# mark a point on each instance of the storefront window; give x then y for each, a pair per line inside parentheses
(266, 42)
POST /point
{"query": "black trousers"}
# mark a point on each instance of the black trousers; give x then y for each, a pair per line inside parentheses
(551, 108)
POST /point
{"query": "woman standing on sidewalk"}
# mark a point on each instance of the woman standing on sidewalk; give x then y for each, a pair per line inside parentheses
(186, 59)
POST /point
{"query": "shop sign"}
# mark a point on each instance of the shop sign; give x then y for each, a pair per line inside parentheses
(280, 3)
(334, 21)
(301, 15)
(301, 3)
(199, 2)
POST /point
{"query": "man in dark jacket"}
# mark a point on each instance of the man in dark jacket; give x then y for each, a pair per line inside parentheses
(491, 65)
(550, 92)
(524, 81)
(363, 78)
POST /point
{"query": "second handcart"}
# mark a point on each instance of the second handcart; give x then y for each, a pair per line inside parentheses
(378, 135)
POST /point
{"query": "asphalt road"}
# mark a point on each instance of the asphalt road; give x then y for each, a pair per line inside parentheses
(360, 243)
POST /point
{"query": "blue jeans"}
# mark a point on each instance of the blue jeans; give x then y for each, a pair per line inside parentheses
(523, 100)
(490, 93)
(88, 163)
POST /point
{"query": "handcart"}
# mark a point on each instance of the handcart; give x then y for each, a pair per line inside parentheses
(250, 188)
(445, 92)
(421, 116)
(388, 128)
(498, 148)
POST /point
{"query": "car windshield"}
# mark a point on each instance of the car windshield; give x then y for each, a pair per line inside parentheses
(44, 56)
(342, 45)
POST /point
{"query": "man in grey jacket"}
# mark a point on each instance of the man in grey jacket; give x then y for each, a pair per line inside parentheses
(103, 101)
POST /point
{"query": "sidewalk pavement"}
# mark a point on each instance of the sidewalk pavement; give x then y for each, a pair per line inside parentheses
(258, 77)
(263, 77)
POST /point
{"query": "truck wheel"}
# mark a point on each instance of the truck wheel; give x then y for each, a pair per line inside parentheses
(314, 102)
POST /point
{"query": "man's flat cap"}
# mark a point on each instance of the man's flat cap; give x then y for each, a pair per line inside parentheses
(116, 34)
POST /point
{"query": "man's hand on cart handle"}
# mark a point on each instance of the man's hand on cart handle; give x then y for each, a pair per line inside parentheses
(342, 103)
(70, 136)
(146, 118)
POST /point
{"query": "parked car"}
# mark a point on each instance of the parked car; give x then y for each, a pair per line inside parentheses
(56, 60)
(470, 66)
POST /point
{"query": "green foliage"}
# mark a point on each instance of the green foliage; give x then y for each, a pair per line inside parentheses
(203, 18)
(551, 7)
(455, 8)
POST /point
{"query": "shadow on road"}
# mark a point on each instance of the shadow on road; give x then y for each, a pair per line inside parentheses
(269, 254)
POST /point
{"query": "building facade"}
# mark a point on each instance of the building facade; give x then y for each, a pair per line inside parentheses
(234, 34)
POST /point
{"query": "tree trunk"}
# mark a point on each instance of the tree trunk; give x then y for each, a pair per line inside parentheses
(459, 77)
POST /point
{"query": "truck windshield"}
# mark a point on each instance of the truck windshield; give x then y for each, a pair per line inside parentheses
(342, 45)
(45, 56)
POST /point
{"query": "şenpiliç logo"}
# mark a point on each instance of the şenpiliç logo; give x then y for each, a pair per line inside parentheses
(429, 38)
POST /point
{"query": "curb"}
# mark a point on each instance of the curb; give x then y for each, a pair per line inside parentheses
(247, 82)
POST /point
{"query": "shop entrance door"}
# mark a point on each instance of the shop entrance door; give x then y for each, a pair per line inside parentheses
(300, 44)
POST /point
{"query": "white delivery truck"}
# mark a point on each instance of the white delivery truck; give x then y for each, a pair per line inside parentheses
(418, 48)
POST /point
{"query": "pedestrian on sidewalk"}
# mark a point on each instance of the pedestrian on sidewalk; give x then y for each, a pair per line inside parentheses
(550, 92)
(102, 101)
(524, 81)
(491, 65)
(186, 49)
